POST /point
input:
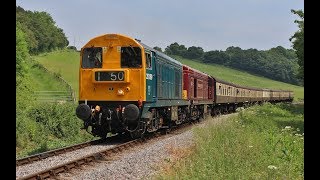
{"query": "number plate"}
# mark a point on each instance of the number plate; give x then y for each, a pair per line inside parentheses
(109, 76)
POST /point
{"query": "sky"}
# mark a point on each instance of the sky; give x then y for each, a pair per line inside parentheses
(210, 24)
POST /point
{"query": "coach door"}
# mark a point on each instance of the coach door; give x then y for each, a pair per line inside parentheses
(151, 76)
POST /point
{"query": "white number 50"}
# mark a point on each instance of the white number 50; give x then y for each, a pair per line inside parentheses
(113, 76)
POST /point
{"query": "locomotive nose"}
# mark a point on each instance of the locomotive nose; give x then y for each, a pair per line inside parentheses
(83, 112)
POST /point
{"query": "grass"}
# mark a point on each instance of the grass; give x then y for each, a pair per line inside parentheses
(242, 78)
(261, 142)
(43, 81)
(64, 62)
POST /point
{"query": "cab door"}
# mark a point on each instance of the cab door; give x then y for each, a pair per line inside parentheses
(151, 76)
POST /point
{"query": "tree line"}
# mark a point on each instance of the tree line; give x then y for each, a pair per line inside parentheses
(40, 31)
(276, 63)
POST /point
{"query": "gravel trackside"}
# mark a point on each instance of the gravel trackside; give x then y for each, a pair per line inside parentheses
(59, 159)
(141, 162)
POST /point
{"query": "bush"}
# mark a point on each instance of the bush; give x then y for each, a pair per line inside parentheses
(45, 126)
(72, 48)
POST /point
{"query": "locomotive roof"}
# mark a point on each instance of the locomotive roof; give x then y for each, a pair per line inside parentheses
(160, 53)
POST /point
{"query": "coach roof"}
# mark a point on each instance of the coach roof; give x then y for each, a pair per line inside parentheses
(160, 53)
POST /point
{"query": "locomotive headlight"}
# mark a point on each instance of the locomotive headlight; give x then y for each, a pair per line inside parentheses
(120, 92)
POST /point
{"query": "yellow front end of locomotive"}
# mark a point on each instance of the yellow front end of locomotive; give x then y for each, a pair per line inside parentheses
(112, 68)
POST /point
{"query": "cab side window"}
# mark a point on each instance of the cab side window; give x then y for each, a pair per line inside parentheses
(148, 61)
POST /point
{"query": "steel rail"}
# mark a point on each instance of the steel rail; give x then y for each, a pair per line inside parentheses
(52, 172)
(44, 155)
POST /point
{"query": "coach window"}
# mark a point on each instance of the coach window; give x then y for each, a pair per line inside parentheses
(220, 90)
(92, 57)
(131, 57)
(148, 61)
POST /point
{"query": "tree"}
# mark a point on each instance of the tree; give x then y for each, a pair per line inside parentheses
(72, 48)
(41, 33)
(21, 51)
(298, 42)
(217, 57)
(176, 49)
(194, 52)
(158, 48)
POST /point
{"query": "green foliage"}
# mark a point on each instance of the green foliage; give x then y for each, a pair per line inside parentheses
(262, 142)
(217, 57)
(175, 49)
(42, 35)
(72, 48)
(21, 50)
(44, 126)
(194, 52)
(157, 48)
(298, 42)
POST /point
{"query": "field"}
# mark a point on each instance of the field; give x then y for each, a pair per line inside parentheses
(66, 63)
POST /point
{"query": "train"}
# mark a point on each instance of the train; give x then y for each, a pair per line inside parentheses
(129, 88)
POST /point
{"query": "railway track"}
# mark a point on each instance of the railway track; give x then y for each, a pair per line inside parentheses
(55, 152)
(103, 155)
(99, 156)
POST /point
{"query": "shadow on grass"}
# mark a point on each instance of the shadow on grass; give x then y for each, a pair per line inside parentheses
(293, 123)
(295, 109)
(42, 148)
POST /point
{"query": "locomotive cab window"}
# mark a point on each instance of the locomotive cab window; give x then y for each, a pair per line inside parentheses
(148, 61)
(131, 57)
(92, 57)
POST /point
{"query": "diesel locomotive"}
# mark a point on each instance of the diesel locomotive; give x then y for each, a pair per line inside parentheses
(127, 87)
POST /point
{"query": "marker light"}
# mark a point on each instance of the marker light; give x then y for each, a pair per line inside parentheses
(120, 92)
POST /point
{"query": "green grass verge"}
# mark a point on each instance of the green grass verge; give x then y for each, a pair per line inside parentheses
(262, 142)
